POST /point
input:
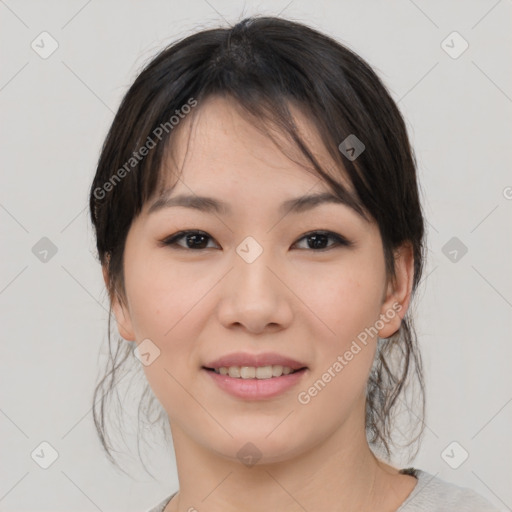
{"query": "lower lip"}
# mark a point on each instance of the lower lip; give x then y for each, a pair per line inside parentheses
(256, 389)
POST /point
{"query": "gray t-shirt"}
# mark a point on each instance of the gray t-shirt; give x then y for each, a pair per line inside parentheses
(431, 494)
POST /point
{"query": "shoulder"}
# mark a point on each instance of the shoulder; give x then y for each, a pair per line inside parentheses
(432, 494)
(160, 507)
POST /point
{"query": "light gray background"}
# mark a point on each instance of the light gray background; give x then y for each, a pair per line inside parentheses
(55, 114)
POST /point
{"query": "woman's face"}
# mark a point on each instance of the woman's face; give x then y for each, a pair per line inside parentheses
(261, 283)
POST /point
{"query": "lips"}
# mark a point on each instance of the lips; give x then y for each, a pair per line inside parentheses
(254, 360)
(255, 389)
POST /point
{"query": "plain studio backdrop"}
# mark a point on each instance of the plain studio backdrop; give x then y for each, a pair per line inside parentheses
(64, 69)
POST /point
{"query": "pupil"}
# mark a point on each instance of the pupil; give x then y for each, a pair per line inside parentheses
(317, 240)
(195, 237)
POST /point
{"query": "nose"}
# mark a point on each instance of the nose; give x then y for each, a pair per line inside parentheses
(255, 296)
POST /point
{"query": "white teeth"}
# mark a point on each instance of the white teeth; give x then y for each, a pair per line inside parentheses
(234, 371)
(251, 372)
(277, 370)
(264, 372)
(247, 372)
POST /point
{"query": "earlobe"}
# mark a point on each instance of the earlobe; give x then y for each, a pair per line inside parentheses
(122, 316)
(399, 290)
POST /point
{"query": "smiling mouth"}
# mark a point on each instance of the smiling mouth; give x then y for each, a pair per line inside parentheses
(255, 372)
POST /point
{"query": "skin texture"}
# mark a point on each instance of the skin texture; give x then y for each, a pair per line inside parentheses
(310, 304)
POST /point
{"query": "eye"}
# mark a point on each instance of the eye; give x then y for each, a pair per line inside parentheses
(193, 239)
(317, 240)
(197, 240)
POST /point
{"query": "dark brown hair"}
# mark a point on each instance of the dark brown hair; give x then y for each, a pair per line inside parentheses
(265, 64)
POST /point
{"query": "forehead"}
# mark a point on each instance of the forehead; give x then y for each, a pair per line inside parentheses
(221, 145)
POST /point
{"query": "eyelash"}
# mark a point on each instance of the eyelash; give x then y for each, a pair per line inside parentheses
(340, 241)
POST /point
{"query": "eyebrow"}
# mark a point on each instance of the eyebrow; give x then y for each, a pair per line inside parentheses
(211, 205)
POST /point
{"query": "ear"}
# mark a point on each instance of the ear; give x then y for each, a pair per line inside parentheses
(398, 292)
(123, 319)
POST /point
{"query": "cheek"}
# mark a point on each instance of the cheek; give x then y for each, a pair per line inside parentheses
(348, 304)
(167, 304)
(163, 295)
(346, 299)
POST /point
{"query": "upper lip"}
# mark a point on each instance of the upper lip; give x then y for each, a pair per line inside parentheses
(246, 359)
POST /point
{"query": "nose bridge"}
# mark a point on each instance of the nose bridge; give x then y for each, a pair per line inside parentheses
(250, 250)
(252, 263)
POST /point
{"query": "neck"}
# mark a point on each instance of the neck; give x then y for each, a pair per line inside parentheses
(342, 468)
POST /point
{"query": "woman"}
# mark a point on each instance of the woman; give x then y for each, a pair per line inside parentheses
(259, 227)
